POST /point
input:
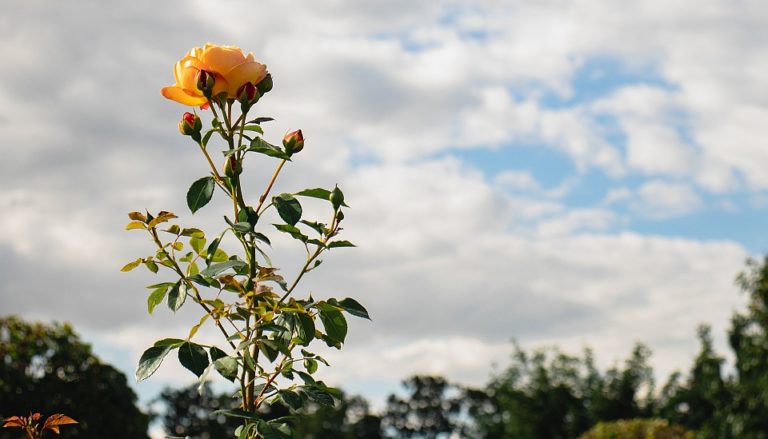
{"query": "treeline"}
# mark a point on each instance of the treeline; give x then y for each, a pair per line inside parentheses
(540, 394)
(550, 394)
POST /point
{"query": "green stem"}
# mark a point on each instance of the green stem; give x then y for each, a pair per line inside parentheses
(198, 298)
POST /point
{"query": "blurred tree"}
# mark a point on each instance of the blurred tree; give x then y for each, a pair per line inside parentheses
(47, 369)
(554, 395)
(637, 429)
(432, 408)
(185, 412)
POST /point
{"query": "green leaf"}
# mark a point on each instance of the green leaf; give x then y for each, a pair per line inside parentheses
(293, 231)
(254, 128)
(259, 120)
(150, 360)
(215, 269)
(193, 357)
(200, 193)
(224, 364)
(227, 367)
(288, 207)
(317, 192)
(334, 322)
(172, 342)
(177, 296)
(305, 329)
(263, 147)
(353, 307)
(131, 265)
(310, 364)
(261, 237)
(291, 399)
(151, 265)
(267, 431)
(236, 413)
(212, 247)
(197, 243)
(340, 243)
(155, 298)
(319, 395)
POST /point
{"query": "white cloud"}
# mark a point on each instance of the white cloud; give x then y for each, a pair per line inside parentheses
(658, 199)
(446, 259)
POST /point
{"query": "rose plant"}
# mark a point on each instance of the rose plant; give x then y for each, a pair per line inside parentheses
(267, 331)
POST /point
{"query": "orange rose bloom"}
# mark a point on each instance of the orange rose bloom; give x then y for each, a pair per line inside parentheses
(228, 65)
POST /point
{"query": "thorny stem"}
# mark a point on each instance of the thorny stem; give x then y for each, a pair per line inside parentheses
(198, 298)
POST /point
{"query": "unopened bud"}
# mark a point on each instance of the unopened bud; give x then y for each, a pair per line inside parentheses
(336, 198)
(265, 85)
(232, 167)
(247, 93)
(293, 142)
(205, 81)
(190, 124)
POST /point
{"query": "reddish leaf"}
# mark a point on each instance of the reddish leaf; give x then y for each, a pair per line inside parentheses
(14, 421)
(54, 421)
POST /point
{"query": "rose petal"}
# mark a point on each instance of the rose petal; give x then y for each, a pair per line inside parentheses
(252, 72)
(178, 94)
(221, 59)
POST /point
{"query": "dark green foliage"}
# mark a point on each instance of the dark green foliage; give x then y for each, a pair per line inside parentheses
(187, 413)
(554, 395)
(431, 409)
(637, 429)
(47, 369)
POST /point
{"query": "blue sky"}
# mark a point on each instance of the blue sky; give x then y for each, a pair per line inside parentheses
(577, 173)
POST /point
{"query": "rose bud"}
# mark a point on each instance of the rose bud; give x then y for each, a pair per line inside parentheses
(336, 198)
(247, 95)
(205, 82)
(232, 167)
(265, 85)
(190, 125)
(293, 142)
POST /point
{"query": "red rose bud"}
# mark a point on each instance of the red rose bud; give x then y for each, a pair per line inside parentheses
(190, 125)
(265, 85)
(247, 93)
(205, 81)
(293, 142)
(232, 167)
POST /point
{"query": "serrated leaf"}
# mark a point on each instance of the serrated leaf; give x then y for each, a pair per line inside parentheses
(317, 192)
(288, 208)
(293, 231)
(150, 360)
(341, 243)
(353, 307)
(193, 357)
(261, 146)
(200, 193)
(155, 298)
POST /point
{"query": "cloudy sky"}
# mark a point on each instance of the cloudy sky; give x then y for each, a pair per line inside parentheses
(579, 173)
